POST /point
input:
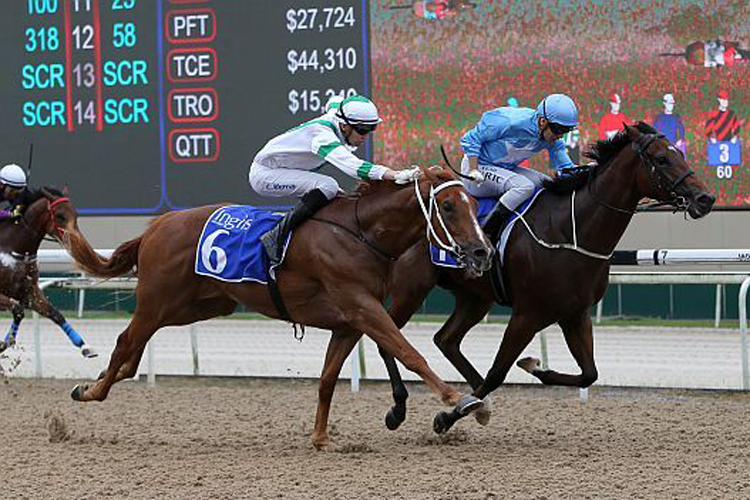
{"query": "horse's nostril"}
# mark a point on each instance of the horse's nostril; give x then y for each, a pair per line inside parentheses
(706, 200)
(480, 253)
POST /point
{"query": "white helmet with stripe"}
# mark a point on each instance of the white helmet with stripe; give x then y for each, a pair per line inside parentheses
(13, 175)
(358, 110)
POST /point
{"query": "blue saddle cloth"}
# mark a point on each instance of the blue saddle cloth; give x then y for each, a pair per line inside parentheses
(229, 248)
(443, 258)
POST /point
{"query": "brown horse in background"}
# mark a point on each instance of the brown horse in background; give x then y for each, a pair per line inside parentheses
(333, 277)
(544, 284)
(20, 238)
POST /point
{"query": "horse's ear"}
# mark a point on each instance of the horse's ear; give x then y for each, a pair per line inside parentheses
(632, 132)
(65, 190)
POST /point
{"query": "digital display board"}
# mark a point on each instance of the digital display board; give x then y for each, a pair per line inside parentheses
(143, 106)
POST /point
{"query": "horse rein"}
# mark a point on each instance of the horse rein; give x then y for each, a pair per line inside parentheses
(359, 235)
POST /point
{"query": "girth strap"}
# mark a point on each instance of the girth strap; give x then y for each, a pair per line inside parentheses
(278, 303)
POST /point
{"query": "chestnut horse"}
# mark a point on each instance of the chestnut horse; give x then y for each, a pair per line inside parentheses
(333, 277)
(20, 238)
(547, 282)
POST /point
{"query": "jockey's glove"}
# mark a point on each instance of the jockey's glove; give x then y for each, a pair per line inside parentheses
(476, 176)
(18, 211)
(406, 176)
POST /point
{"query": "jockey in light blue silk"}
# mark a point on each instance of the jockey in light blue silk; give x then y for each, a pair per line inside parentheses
(504, 138)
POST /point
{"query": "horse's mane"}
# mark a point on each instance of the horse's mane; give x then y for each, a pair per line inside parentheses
(36, 193)
(603, 152)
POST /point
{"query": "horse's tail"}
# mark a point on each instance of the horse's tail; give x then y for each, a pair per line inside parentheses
(122, 261)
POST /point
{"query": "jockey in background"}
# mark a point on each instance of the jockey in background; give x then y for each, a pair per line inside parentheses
(287, 165)
(504, 138)
(14, 195)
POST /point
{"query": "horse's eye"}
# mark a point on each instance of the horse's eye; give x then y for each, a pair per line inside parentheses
(447, 206)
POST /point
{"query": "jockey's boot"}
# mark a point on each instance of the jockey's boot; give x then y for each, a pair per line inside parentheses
(273, 240)
(496, 220)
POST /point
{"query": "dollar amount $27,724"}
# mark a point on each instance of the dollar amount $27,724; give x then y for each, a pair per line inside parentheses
(320, 18)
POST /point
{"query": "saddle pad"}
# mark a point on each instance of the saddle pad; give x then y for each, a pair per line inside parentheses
(443, 258)
(229, 248)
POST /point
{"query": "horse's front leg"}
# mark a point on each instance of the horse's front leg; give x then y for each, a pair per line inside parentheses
(410, 280)
(468, 311)
(17, 311)
(341, 344)
(579, 336)
(367, 314)
(41, 304)
(519, 332)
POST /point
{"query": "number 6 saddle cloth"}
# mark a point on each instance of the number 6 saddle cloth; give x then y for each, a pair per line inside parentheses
(229, 248)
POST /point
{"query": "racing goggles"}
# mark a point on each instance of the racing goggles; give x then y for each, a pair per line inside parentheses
(363, 128)
(558, 129)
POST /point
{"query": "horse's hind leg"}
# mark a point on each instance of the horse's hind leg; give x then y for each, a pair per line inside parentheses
(339, 347)
(41, 304)
(579, 337)
(129, 344)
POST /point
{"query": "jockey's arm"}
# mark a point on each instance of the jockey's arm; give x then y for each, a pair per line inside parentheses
(558, 156)
(328, 146)
(491, 127)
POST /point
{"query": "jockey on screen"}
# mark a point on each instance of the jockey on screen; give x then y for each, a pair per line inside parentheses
(14, 195)
(504, 138)
(287, 165)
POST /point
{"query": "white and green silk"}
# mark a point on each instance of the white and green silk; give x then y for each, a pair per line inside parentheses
(287, 165)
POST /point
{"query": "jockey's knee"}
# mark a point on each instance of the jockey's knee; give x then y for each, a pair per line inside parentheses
(523, 186)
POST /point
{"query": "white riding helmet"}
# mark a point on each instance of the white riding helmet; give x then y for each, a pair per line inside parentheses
(334, 103)
(13, 175)
(358, 110)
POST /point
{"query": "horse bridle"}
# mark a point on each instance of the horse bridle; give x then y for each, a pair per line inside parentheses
(656, 179)
(51, 215)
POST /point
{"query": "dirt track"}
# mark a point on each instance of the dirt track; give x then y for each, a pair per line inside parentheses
(214, 438)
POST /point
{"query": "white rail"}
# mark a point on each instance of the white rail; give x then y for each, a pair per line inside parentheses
(668, 257)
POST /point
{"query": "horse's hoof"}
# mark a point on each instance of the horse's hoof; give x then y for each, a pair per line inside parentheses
(442, 422)
(77, 393)
(482, 416)
(531, 365)
(468, 404)
(88, 352)
(392, 421)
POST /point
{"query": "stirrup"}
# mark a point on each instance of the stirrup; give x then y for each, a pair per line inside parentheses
(271, 245)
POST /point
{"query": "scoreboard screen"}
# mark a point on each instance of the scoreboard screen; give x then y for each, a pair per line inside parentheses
(144, 106)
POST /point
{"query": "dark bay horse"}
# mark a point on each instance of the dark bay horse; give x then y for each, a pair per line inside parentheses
(19, 275)
(548, 285)
(333, 277)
